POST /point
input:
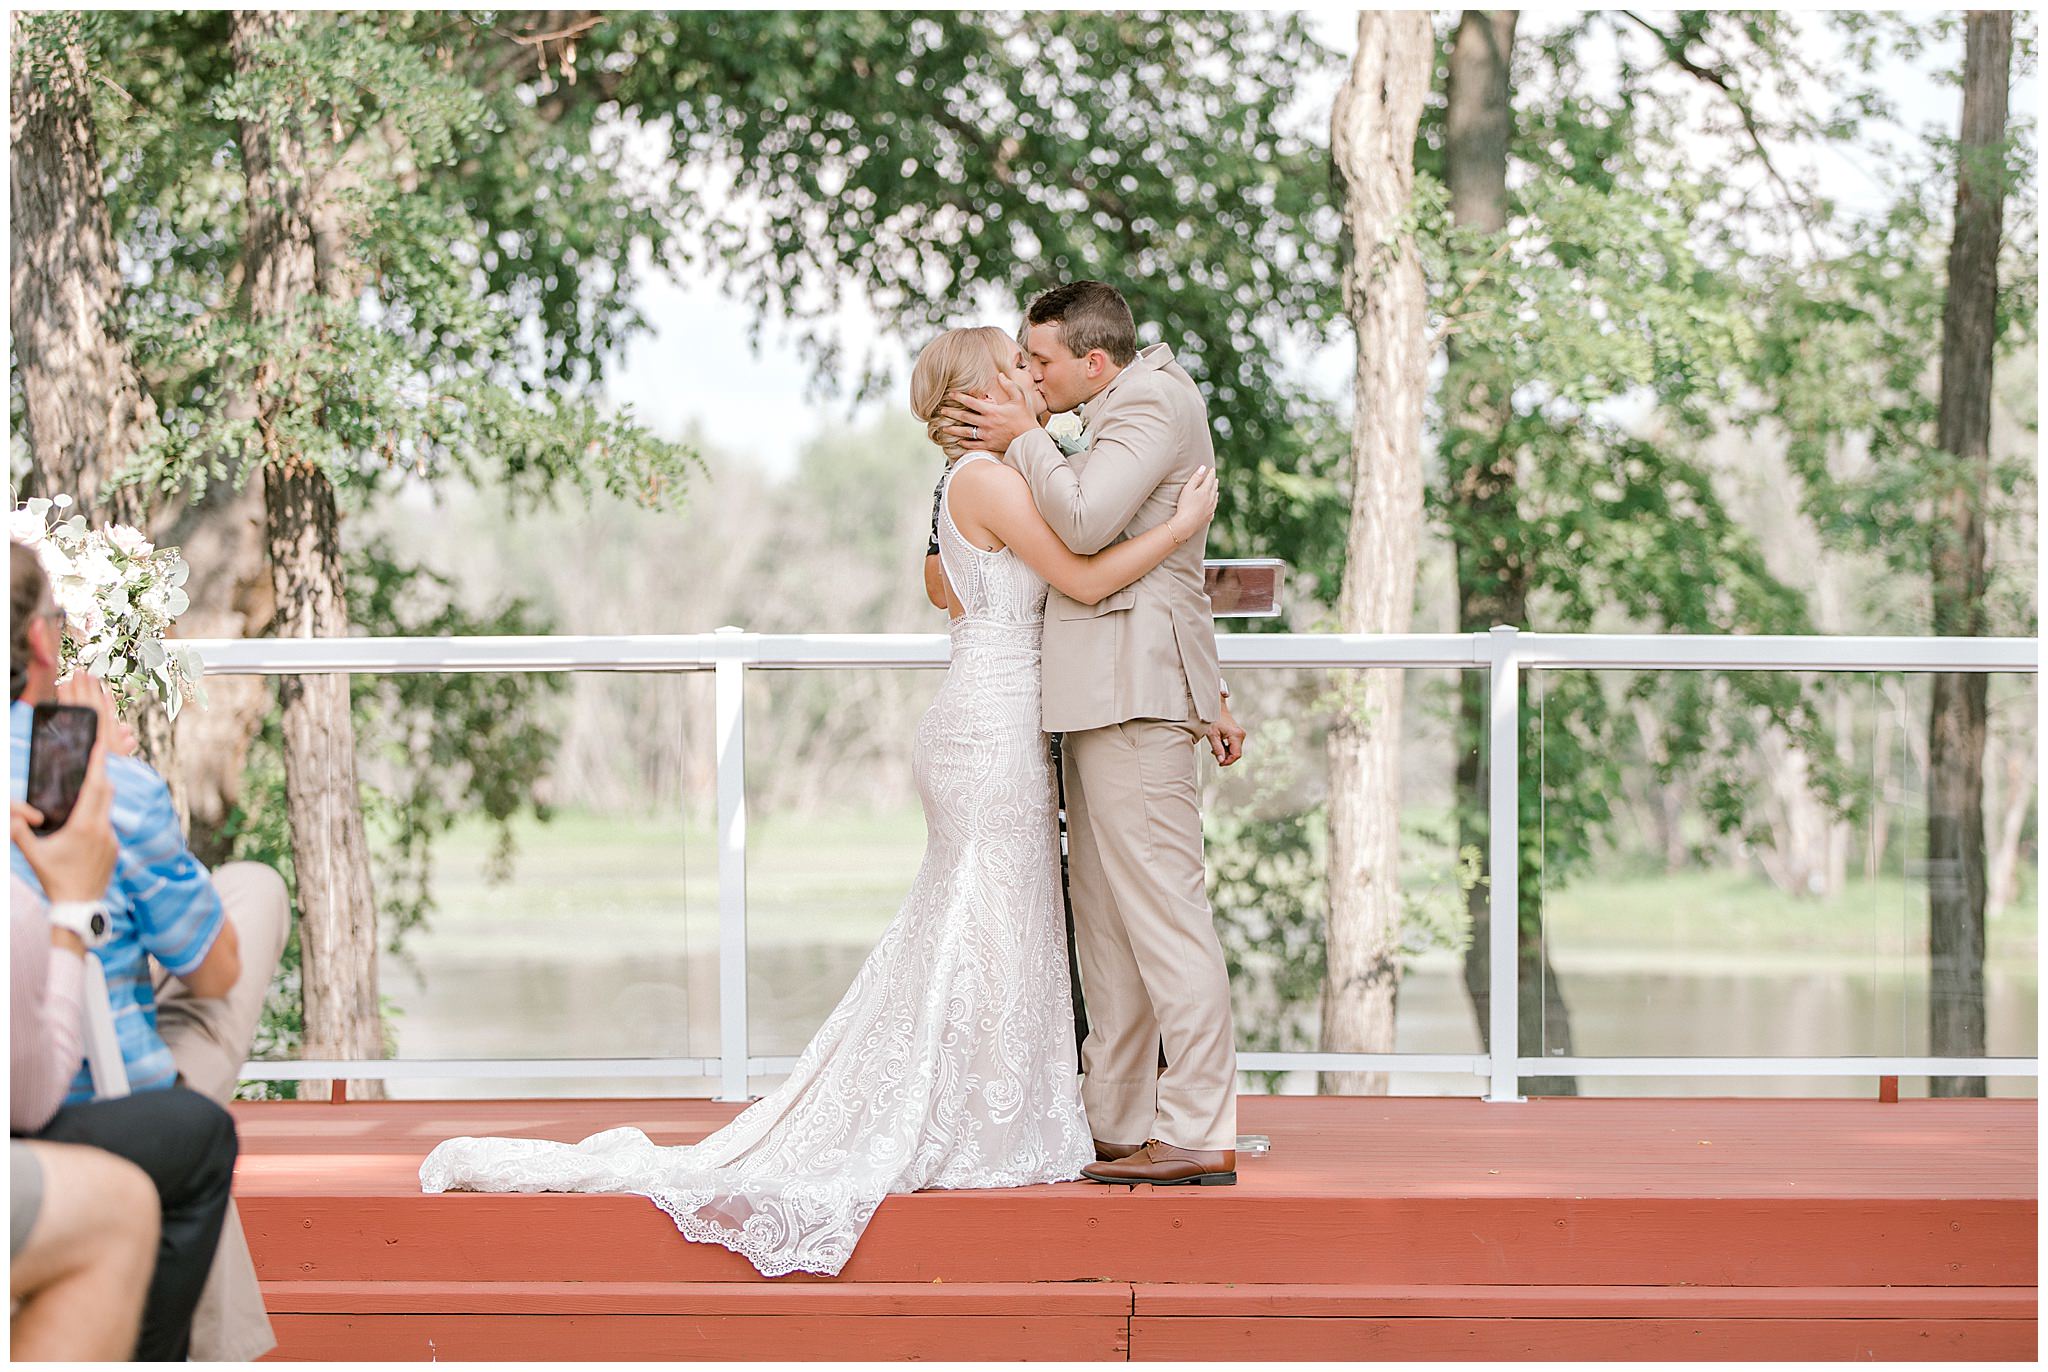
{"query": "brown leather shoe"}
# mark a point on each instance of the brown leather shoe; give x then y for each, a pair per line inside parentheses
(1159, 1163)
(1111, 1152)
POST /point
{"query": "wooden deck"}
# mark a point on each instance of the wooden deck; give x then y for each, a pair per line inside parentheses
(1376, 1228)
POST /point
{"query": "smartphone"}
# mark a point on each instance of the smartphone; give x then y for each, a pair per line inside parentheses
(1243, 587)
(60, 743)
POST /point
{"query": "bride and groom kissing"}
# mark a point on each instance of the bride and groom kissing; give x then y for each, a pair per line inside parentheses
(1074, 586)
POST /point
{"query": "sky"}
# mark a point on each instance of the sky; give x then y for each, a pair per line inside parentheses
(695, 371)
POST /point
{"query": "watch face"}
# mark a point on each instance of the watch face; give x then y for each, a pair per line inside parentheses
(98, 924)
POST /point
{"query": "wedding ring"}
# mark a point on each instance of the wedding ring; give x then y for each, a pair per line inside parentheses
(974, 432)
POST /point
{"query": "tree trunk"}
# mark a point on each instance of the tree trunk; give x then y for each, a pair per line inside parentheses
(1808, 852)
(84, 411)
(2015, 798)
(223, 539)
(1958, 717)
(1373, 129)
(337, 905)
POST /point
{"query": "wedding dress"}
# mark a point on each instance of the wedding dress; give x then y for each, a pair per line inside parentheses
(950, 1061)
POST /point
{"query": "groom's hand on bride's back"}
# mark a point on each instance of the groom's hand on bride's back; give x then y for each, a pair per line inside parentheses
(992, 425)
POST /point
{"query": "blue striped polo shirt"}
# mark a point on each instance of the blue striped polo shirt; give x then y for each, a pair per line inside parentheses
(161, 904)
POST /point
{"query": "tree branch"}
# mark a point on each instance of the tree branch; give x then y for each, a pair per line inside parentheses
(1717, 77)
(1443, 331)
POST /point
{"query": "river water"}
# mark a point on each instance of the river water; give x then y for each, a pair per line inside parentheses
(466, 1002)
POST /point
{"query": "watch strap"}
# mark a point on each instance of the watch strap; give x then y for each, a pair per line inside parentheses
(85, 918)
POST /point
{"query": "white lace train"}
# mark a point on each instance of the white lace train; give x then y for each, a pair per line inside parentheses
(950, 1061)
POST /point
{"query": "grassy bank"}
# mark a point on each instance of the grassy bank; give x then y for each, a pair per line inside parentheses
(840, 878)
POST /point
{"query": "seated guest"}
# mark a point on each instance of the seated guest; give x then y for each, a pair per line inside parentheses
(82, 1236)
(215, 939)
(183, 1142)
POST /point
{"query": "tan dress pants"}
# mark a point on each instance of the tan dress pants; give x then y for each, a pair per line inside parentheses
(210, 1039)
(1151, 965)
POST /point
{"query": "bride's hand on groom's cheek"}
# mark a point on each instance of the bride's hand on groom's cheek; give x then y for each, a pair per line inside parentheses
(992, 423)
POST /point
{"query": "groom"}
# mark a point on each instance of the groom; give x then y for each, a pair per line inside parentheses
(1132, 682)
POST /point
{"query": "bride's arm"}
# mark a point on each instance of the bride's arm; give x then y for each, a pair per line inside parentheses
(997, 499)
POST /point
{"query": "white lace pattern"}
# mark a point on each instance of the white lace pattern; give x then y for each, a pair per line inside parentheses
(950, 1061)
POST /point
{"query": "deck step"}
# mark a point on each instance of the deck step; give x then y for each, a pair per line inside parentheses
(1080, 1233)
(1375, 1228)
(458, 1321)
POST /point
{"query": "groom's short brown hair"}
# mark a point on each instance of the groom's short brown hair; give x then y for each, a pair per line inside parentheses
(1091, 315)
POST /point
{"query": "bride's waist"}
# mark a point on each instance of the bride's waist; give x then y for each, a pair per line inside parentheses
(974, 633)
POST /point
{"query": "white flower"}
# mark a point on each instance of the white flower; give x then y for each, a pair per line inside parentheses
(1068, 432)
(26, 527)
(119, 595)
(97, 567)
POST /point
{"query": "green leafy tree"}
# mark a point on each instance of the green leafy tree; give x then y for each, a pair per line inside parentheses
(1890, 347)
(1613, 266)
(370, 244)
(315, 309)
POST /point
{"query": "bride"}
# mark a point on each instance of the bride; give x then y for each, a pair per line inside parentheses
(950, 1061)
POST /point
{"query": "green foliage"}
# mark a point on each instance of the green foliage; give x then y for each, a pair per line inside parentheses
(926, 161)
(929, 161)
(1266, 879)
(1268, 871)
(453, 297)
(1849, 370)
(1626, 279)
(452, 745)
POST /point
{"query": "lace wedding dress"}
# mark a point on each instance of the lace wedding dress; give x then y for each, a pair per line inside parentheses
(950, 1061)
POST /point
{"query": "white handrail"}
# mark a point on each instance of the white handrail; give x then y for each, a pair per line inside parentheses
(702, 652)
(1502, 652)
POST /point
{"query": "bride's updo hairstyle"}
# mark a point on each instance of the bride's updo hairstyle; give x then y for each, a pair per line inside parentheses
(957, 360)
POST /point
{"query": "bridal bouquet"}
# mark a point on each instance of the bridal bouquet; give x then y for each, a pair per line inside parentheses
(119, 595)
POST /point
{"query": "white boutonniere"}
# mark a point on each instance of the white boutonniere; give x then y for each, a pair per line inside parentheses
(1068, 432)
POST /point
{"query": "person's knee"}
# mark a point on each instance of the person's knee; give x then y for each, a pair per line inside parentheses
(96, 1208)
(215, 1143)
(133, 1203)
(257, 901)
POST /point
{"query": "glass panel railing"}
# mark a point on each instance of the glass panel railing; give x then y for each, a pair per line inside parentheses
(834, 837)
(1735, 865)
(1268, 836)
(596, 935)
(1696, 880)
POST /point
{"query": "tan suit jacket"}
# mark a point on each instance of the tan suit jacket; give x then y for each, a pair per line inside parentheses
(1149, 650)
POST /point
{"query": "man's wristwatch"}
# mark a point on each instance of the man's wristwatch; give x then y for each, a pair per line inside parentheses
(85, 918)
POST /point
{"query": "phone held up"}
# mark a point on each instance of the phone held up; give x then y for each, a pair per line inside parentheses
(60, 743)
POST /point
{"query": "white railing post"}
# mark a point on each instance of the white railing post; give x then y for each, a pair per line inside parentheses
(730, 687)
(1503, 843)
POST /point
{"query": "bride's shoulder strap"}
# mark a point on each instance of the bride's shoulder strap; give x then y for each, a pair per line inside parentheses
(965, 458)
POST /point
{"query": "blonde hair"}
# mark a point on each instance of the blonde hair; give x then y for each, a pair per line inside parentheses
(957, 360)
